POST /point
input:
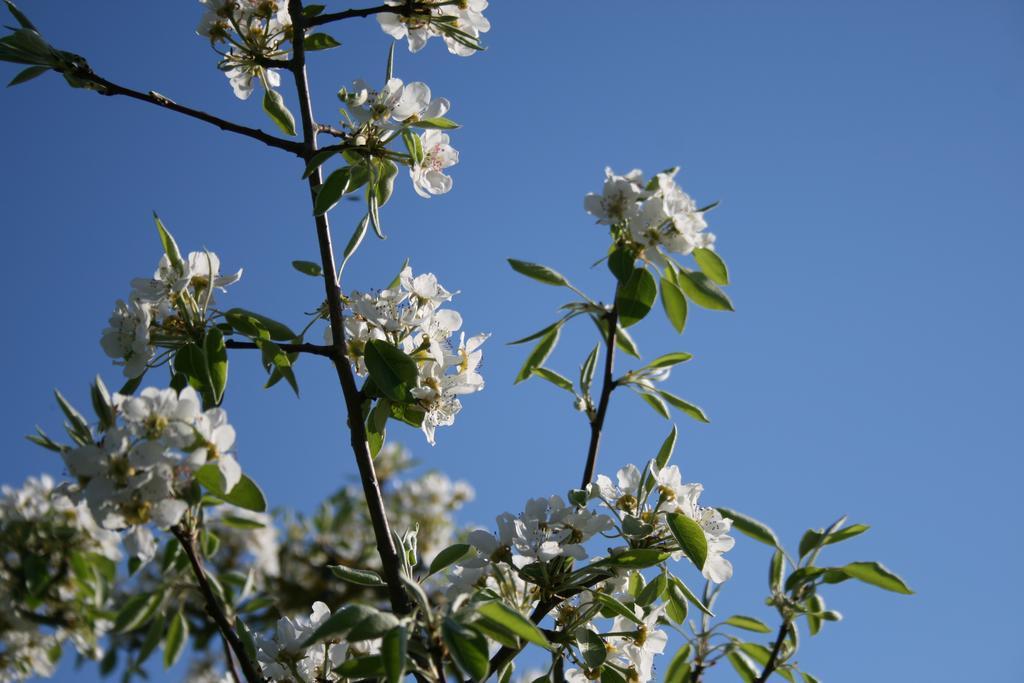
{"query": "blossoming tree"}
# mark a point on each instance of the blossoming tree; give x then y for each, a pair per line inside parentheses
(158, 538)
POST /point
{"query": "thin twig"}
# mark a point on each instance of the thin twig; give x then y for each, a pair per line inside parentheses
(105, 87)
(314, 349)
(188, 544)
(773, 658)
(607, 386)
(390, 562)
(321, 19)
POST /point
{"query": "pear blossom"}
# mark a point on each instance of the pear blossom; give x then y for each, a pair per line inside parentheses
(397, 102)
(618, 201)
(127, 338)
(637, 651)
(438, 154)
(257, 31)
(419, 28)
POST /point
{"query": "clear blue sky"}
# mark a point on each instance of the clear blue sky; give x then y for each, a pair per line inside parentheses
(869, 161)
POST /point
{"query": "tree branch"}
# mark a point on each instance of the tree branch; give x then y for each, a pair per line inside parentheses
(314, 349)
(607, 386)
(772, 662)
(227, 631)
(389, 559)
(105, 87)
(322, 19)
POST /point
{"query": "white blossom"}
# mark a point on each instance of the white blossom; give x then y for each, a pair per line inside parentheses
(418, 29)
(427, 176)
(127, 338)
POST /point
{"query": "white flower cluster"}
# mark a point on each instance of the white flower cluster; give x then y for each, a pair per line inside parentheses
(626, 495)
(139, 471)
(41, 530)
(283, 657)
(426, 504)
(253, 534)
(459, 24)
(375, 114)
(161, 308)
(256, 31)
(410, 317)
(657, 214)
(634, 652)
(546, 529)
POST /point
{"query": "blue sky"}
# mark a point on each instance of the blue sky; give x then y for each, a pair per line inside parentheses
(868, 157)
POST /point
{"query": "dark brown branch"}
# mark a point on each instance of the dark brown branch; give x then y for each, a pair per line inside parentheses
(105, 87)
(330, 130)
(389, 559)
(314, 349)
(322, 19)
(607, 386)
(188, 544)
(773, 658)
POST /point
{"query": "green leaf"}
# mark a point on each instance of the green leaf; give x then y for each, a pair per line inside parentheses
(19, 16)
(168, 243)
(637, 557)
(776, 569)
(393, 371)
(677, 603)
(843, 534)
(539, 354)
(317, 160)
(393, 652)
(385, 185)
(808, 678)
(28, 74)
(751, 527)
(748, 623)
(515, 622)
(803, 575)
(414, 145)
(623, 341)
(539, 333)
(361, 667)
(174, 642)
(656, 403)
(360, 577)
(353, 242)
(319, 41)
(448, 557)
(876, 574)
(674, 303)
(558, 380)
(690, 537)
(815, 606)
(241, 522)
(634, 298)
(587, 370)
(331, 190)
(692, 597)
(308, 268)
(467, 648)
(101, 403)
(438, 122)
(685, 406)
(592, 648)
(153, 635)
(245, 494)
(670, 359)
(539, 273)
(744, 667)
(341, 623)
(374, 625)
(667, 446)
(702, 291)
(278, 362)
(759, 653)
(712, 265)
(614, 607)
(679, 668)
(78, 428)
(274, 105)
(621, 263)
(216, 363)
(809, 541)
(652, 591)
(136, 611)
(257, 326)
